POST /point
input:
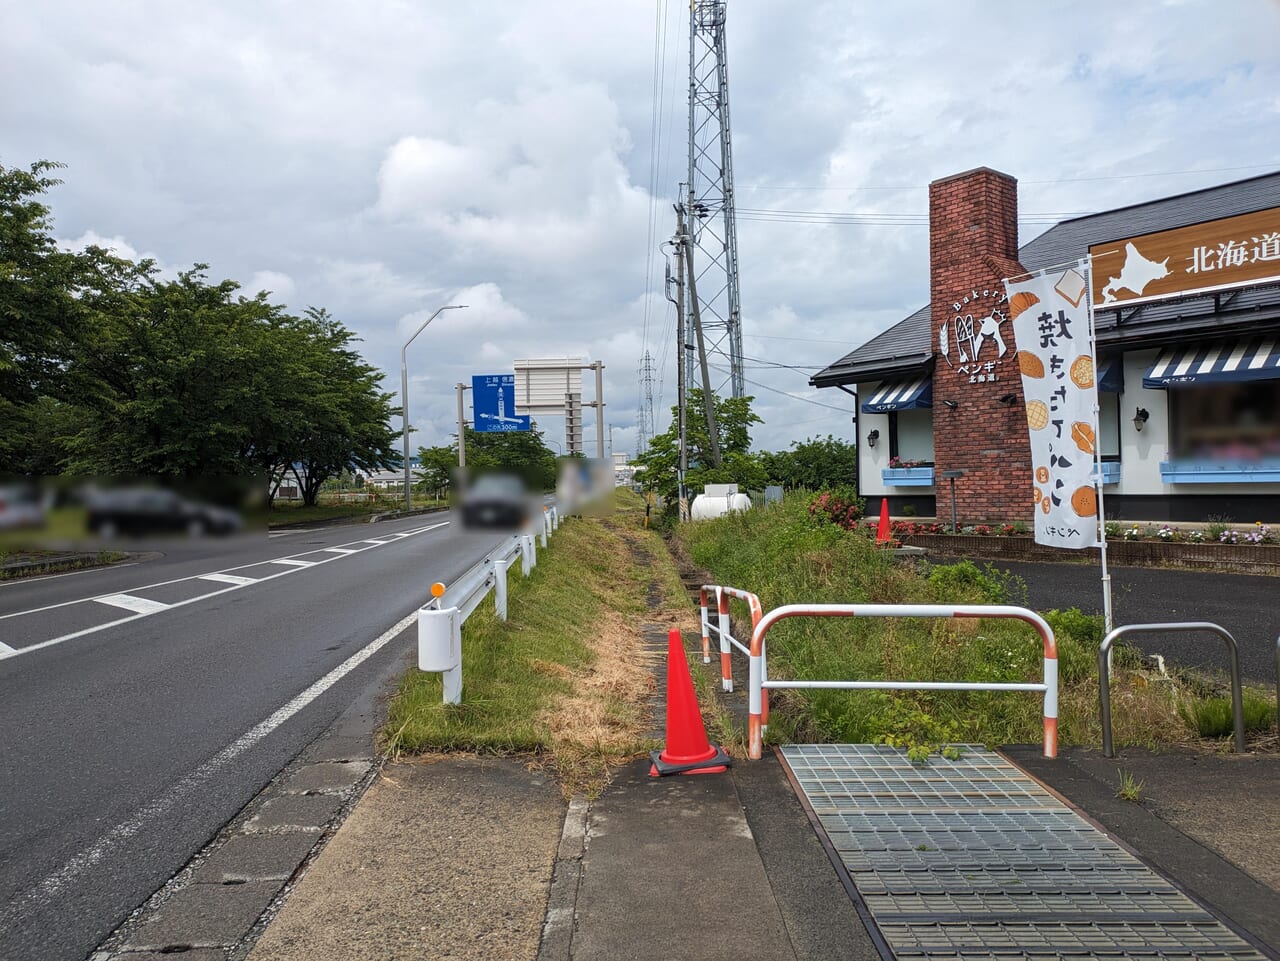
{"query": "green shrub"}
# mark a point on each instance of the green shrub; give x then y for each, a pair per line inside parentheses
(965, 583)
(1212, 717)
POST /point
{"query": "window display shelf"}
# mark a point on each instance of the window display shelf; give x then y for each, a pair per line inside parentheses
(1264, 471)
(907, 476)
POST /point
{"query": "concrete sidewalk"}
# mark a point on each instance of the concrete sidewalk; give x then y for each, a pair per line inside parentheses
(470, 858)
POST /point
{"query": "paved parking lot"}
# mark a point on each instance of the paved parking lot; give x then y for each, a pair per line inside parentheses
(1247, 605)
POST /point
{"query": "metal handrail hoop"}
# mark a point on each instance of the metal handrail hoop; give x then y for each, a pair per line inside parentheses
(759, 682)
(1104, 673)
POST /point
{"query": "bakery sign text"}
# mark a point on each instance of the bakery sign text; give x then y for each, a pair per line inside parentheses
(973, 340)
(1216, 255)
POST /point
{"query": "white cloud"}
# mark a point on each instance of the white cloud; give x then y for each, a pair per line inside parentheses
(383, 162)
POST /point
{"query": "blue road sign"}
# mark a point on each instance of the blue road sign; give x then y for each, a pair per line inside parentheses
(494, 399)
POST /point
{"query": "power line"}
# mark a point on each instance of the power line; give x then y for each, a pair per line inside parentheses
(1271, 165)
(784, 393)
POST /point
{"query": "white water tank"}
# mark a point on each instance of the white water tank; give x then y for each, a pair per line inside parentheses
(716, 500)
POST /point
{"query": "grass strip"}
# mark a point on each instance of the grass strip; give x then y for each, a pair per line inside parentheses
(788, 557)
(566, 677)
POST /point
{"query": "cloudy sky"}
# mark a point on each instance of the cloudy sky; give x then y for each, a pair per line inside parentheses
(384, 158)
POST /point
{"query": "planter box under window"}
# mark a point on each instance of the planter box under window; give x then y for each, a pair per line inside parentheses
(1265, 471)
(907, 476)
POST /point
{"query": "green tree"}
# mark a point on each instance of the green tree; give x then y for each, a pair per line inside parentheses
(346, 420)
(40, 316)
(521, 453)
(815, 463)
(435, 468)
(734, 418)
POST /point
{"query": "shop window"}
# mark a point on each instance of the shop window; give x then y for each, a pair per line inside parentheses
(1109, 425)
(911, 435)
(1225, 422)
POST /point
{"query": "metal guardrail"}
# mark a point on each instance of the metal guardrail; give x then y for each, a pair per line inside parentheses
(1104, 673)
(760, 682)
(440, 620)
(724, 633)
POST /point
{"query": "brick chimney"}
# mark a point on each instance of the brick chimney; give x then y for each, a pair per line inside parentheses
(973, 246)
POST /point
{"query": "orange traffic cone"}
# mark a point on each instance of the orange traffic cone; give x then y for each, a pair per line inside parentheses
(882, 532)
(688, 751)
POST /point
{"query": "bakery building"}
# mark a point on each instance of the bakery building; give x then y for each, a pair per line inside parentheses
(1186, 295)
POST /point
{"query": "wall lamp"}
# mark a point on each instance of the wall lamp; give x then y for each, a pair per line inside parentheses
(1007, 399)
(872, 438)
(950, 404)
(1140, 418)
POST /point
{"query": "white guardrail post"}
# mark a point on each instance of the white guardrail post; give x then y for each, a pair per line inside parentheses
(440, 621)
(500, 568)
(542, 528)
(440, 645)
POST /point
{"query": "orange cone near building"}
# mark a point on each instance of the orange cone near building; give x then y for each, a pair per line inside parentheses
(883, 534)
(688, 751)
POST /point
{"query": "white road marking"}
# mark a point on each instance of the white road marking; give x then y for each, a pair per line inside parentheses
(229, 579)
(6, 650)
(301, 530)
(342, 550)
(139, 605)
(166, 805)
(291, 567)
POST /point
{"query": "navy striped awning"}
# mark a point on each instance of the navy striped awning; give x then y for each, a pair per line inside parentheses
(1111, 374)
(1216, 362)
(900, 395)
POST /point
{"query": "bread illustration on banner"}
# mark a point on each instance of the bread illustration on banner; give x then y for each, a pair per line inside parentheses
(1037, 414)
(1085, 501)
(1083, 435)
(1020, 302)
(1082, 371)
(1030, 364)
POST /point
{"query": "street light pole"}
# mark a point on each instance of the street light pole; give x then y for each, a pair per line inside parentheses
(404, 394)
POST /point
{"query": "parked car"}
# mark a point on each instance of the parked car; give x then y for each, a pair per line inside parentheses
(21, 507)
(138, 511)
(496, 501)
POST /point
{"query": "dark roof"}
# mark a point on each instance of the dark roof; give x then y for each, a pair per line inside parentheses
(907, 345)
(903, 348)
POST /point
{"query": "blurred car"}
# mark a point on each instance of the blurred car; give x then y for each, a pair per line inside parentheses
(21, 507)
(497, 501)
(140, 511)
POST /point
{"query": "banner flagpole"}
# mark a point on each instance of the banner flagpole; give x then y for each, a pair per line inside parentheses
(1087, 265)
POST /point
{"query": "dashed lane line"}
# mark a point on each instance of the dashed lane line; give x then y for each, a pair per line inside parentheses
(228, 579)
(139, 605)
(344, 550)
(223, 576)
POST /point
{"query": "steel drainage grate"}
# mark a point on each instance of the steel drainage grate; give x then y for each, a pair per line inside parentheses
(972, 859)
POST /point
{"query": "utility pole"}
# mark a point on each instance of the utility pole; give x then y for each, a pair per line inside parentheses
(708, 396)
(462, 428)
(598, 367)
(682, 464)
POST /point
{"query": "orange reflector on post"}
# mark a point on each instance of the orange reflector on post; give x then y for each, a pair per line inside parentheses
(437, 589)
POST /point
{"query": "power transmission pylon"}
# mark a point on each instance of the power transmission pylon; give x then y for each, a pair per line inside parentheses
(710, 198)
(646, 428)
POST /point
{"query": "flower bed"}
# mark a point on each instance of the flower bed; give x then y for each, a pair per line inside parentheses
(1207, 555)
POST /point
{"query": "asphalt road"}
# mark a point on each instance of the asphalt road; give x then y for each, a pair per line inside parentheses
(142, 706)
(1247, 605)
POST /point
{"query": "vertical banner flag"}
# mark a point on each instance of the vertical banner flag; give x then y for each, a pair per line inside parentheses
(1055, 354)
